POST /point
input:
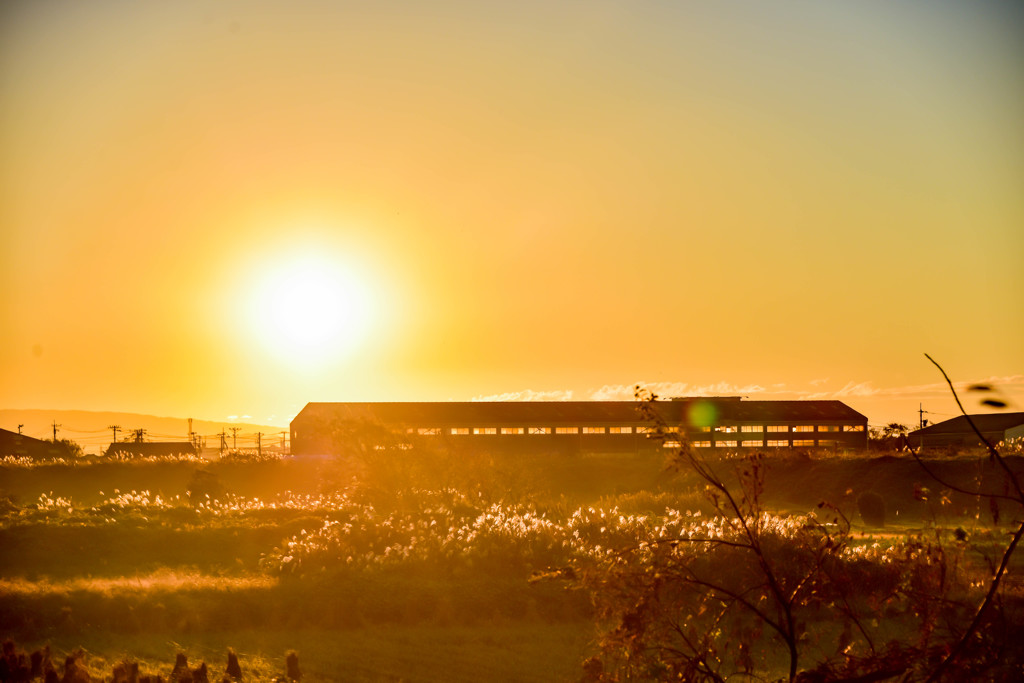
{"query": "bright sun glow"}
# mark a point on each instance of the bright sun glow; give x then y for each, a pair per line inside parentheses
(310, 311)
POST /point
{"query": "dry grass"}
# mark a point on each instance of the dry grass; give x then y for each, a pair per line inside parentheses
(148, 572)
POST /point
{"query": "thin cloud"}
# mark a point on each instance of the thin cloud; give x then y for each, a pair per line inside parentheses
(815, 390)
(624, 392)
(527, 395)
(1008, 382)
(852, 388)
(1004, 386)
(612, 392)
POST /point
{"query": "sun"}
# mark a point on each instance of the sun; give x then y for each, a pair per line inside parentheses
(310, 310)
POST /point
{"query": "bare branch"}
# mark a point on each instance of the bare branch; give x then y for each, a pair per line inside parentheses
(991, 449)
(953, 487)
(993, 588)
(990, 596)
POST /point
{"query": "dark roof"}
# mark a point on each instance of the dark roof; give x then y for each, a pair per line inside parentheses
(136, 448)
(764, 411)
(13, 443)
(576, 412)
(986, 422)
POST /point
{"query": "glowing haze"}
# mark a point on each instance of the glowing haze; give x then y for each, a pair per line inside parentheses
(238, 207)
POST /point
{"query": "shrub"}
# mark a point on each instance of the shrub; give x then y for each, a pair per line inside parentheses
(871, 507)
(291, 661)
(233, 670)
(734, 597)
(204, 485)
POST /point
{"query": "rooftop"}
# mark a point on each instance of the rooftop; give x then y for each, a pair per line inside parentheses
(986, 422)
(725, 409)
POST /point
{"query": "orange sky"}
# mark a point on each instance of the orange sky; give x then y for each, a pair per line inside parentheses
(505, 199)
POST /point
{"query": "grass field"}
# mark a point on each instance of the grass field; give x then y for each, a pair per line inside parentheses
(415, 569)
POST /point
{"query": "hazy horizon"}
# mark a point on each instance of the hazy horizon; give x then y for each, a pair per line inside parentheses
(881, 405)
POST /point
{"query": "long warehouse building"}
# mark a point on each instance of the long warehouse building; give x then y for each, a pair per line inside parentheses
(579, 426)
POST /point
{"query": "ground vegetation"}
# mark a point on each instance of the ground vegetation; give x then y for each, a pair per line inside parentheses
(417, 564)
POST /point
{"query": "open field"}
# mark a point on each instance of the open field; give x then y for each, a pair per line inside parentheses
(416, 569)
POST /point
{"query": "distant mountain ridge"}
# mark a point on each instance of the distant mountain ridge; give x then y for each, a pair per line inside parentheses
(91, 428)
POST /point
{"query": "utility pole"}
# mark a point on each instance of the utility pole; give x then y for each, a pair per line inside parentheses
(115, 428)
(223, 441)
(191, 437)
(920, 415)
(55, 426)
(259, 444)
(282, 441)
(234, 438)
(139, 433)
(19, 428)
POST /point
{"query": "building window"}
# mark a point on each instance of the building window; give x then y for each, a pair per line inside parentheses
(826, 444)
(593, 430)
(460, 430)
(512, 430)
(702, 444)
(777, 444)
(702, 429)
(567, 430)
(670, 444)
(803, 428)
(828, 428)
(752, 444)
(853, 428)
(671, 430)
(645, 430)
(727, 429)
(485, 430)
(725, 444)
(538, 430)
(803, 442)
(752, 428)
(777, 428)
(428, 431)
(620, 430)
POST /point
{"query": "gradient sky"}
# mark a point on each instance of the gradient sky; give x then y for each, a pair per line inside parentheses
(519, 199)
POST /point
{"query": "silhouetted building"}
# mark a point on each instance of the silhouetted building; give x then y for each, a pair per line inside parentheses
(13, 443)
(579, 426)
(957, 432)
(140, 449)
